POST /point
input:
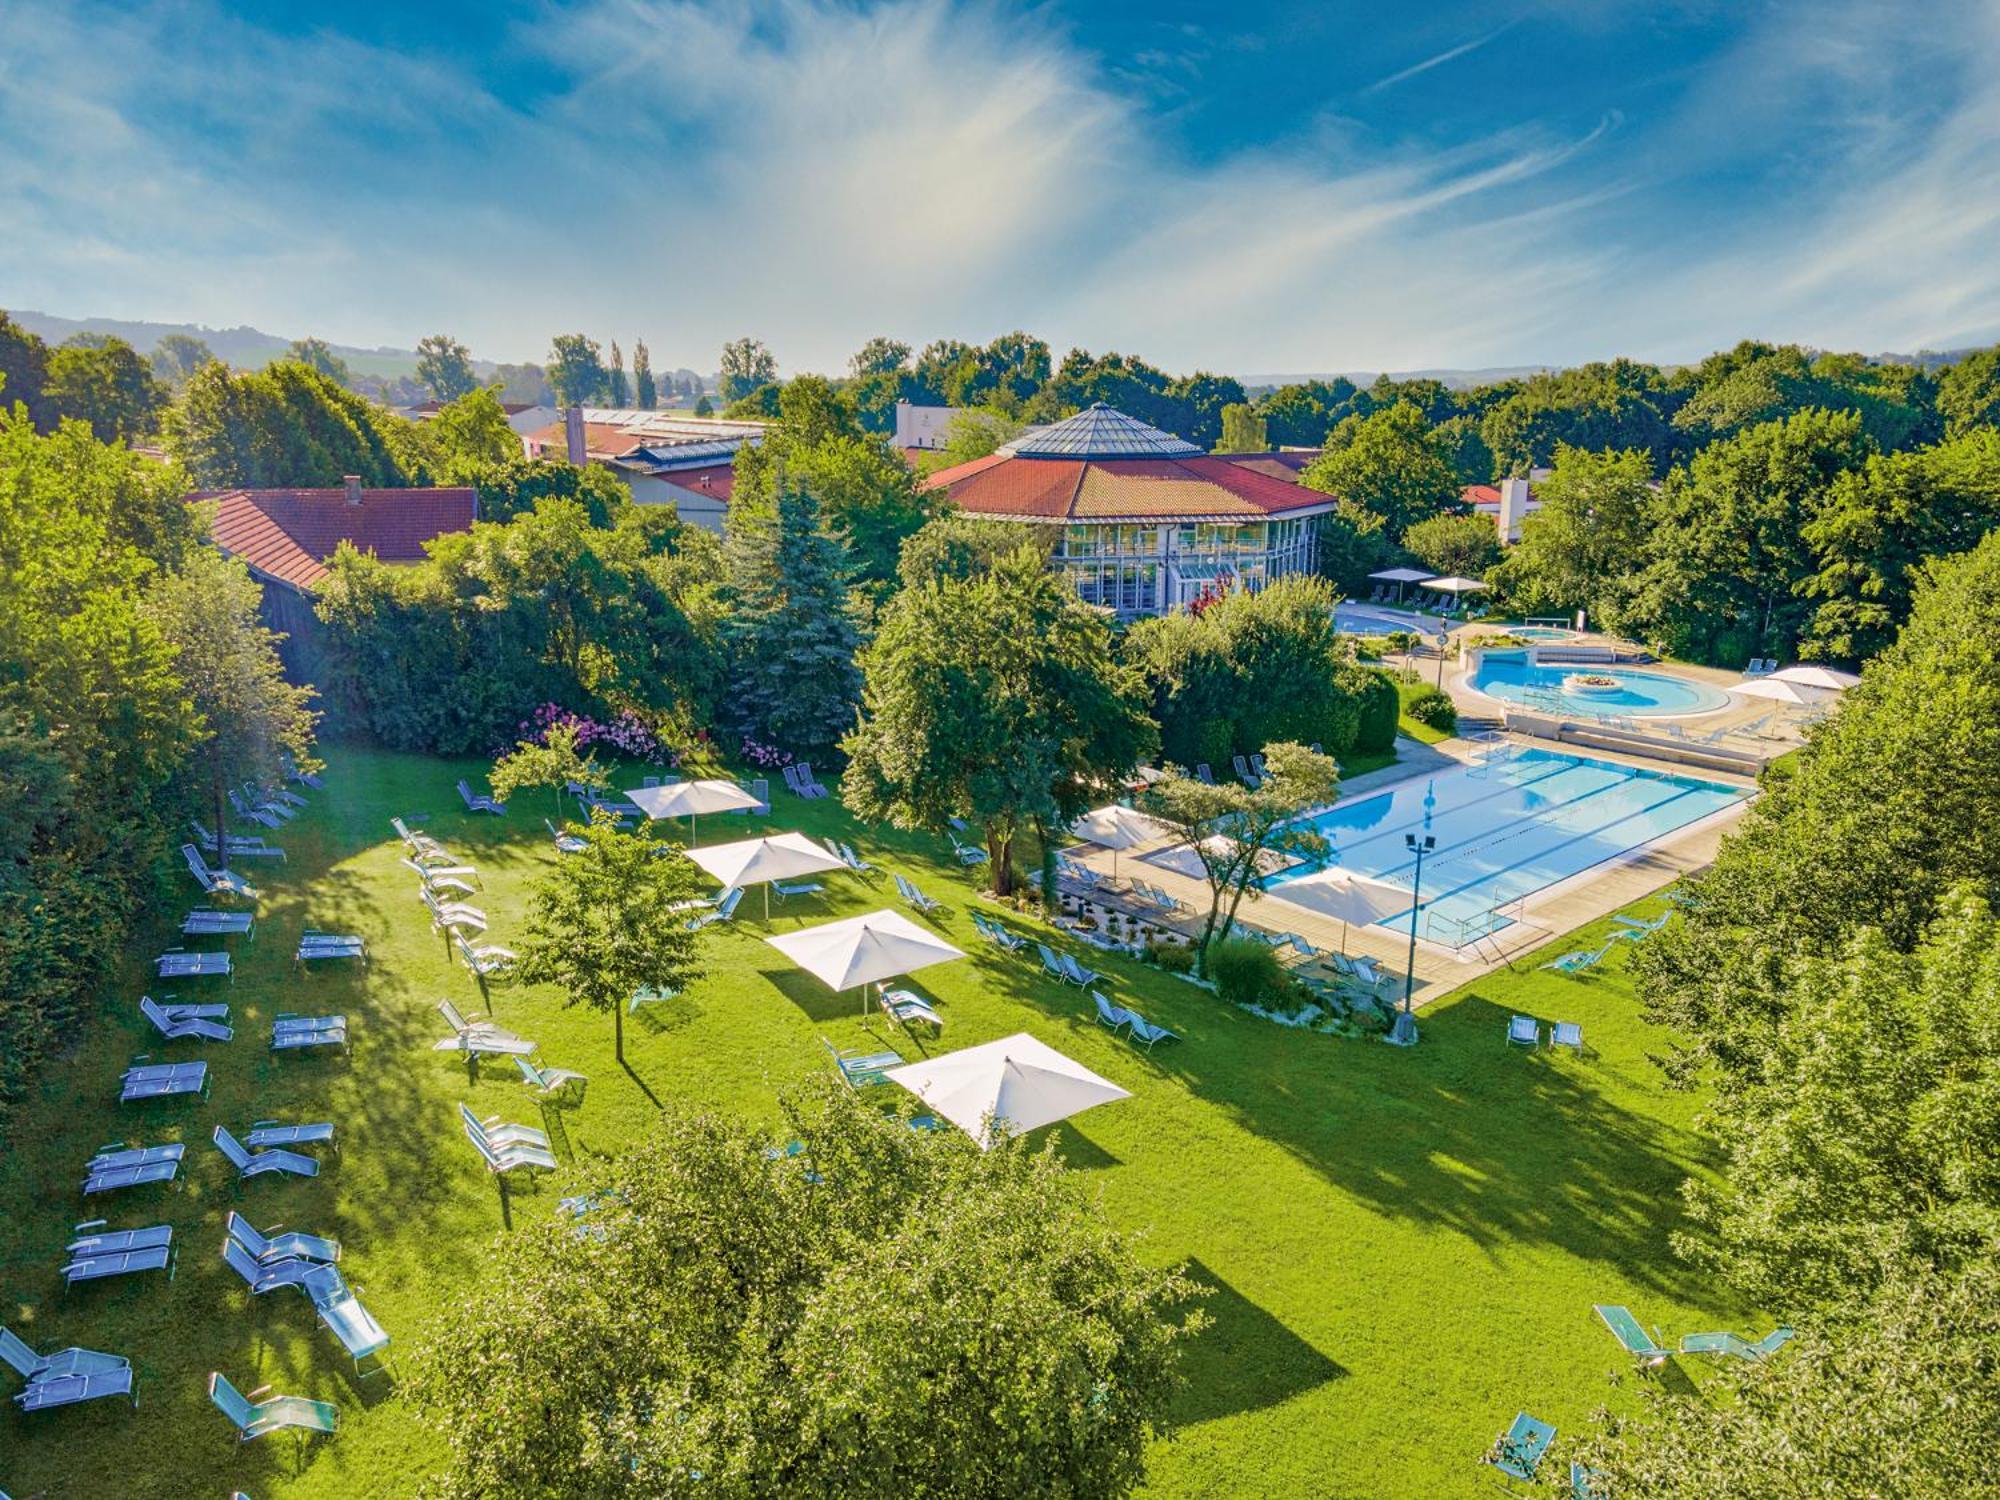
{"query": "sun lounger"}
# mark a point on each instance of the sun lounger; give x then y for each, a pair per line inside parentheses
(809, 782)
(33, 1367)
(175, 1028)
(758, 787)
(968, 854)
(416, 840)
(1518, 1452)
(91, 1238)
(478, 801)
(565, 841)
(277, 1244)
(241, 845)
(183, 963)
(1635, 1340)
(254, 1418)
(112, 1170)
(650, 994)
(547, 1082)
(156, 1253)
(1052, 963)
(293, 1033)
(1203, 774)
(262, 1163)
(1524, 1031)
(1077, 974)
(915, 897)
(1142, 1030)
(316, 947)
(854, 861)
(904, 1006)
(785, 888)
(487, 959)
(1243, 772)
(144, 1080)
(1568, 1034)
(67, 1390)
(994, 932)
(347, 1320)
(206, 921)
(725, 910)
(267, 1133)
(1108, 1014)
(303, 778)
(216, 882)
(1582, 959)
(481, 1037)
(1730, 1346)
(1640, 928)
(460, 878)
(513, 1146)
(449, 916)
(858, 1069)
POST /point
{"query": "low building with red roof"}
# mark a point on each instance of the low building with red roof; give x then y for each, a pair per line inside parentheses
(1147, 520)
(286, 536)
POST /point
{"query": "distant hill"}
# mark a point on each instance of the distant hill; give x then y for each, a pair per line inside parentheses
(1458, 380)
(245, 347)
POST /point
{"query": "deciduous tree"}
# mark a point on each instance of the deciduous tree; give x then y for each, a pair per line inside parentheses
(444, 365)
(317, 354)
(746, 364)
(1389, 464)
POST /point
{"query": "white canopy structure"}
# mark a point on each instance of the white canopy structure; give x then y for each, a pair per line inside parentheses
(864, 950)
(1118, 827)
(1830, 678)
(780, 856)
(1399, 577)
(1016, 1083)
(1357, 900)
(687, 799)
(1455, 585)
(1779, 690)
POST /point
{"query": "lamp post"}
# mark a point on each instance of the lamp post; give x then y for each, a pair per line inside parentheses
(1404, 1032)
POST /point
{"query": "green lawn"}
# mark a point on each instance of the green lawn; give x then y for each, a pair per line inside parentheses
(1405, 1245)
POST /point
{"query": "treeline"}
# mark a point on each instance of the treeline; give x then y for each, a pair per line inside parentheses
(1835, 978)
(135, 687)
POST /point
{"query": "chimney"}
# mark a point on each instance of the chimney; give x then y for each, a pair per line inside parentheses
(353, 484)
(573, 434)
(1513, 508)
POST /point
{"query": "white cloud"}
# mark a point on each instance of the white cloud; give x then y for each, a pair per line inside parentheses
(816, 171)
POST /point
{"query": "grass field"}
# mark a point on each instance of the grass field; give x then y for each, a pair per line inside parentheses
(1405, 1245)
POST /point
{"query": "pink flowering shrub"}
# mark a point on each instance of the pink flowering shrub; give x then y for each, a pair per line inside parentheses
(764, 757)
(626, 733)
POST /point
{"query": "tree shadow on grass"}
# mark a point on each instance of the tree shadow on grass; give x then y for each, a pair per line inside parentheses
(1245, 1359)
(1498, 1144)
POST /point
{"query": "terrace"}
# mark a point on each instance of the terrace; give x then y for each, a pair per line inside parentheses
(1346, 1200)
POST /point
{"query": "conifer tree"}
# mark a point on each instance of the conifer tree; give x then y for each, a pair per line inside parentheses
(621, 394)
(644, 393)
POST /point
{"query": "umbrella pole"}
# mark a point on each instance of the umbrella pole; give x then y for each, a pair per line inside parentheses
(767, 902)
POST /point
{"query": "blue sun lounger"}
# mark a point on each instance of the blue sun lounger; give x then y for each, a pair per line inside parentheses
(143, 1081)
(181, 1027)
(915, 897)
(1518, 1451)
(262, 1163)
(292, 1033)
(65, 1377)
(123, 1167)
(1632, 1337)
(279, 1244)
(1730, 1346)
(860, 1070)
(255, 1419)
(122, 1252)
(267, 1133)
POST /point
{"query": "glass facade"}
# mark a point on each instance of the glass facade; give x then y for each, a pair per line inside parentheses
(1143, 568)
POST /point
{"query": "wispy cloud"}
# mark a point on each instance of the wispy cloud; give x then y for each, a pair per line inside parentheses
(817, 171)
(1450, 54)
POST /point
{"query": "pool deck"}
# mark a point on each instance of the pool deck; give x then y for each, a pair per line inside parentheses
(1556, 909)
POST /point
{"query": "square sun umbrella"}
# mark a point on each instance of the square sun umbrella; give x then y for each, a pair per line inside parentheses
(1118, 827)
(781, 856)
(1455, 585)
(863, 950)
(1782, 690)
(686, 799)
(1014, 1084)
(1830, 678)
(1357, 900)
(1399, 577)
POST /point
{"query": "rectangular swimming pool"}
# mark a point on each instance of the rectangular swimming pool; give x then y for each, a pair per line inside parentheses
(1508, 828)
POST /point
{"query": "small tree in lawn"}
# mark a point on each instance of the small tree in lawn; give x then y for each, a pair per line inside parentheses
(552, 761)
(599, 926)
(996, 698)
(892, 1313)
(1234, 830)
(227, 661)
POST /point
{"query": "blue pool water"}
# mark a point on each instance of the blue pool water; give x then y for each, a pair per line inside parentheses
(1539, 632)
(1506, 829)
(1513, 678)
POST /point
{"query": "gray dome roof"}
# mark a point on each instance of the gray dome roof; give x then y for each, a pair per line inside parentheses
(1099, 431)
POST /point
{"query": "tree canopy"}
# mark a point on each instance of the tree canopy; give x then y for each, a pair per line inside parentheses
(887, 1311)
(286, 425)
(444, 365)
(1389, 465)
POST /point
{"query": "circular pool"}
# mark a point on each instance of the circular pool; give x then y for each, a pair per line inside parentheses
(1512, 678)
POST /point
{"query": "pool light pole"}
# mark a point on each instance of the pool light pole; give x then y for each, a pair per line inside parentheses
(1404, 1032)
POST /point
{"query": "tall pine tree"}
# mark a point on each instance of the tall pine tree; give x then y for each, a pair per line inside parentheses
(643, 392)
(621, 394)
(792, 631)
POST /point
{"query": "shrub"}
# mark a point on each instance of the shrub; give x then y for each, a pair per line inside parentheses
(1380, 704)
(1433, 708)
(1175, 958)
(1247, 972)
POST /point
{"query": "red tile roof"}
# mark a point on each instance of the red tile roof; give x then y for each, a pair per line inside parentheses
(600, 440)
(1480, 494)
(287, 535)
(718, 480)
(1086, 489)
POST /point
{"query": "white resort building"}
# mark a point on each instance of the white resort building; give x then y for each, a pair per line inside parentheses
(1147, 520)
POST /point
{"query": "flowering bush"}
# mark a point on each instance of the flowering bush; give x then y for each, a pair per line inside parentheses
(765, 757)
(627, 733)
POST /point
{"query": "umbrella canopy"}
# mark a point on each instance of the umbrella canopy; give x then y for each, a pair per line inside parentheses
(862, 950)
(1118, 827)
(1454, 585)
(1400, 575)
(1831, 679)
(1780, 691)
(1017, 1082)
(684, 799)
(1352, 898)
(780, 856)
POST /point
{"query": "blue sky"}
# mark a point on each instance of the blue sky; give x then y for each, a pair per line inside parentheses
(1264, 187)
